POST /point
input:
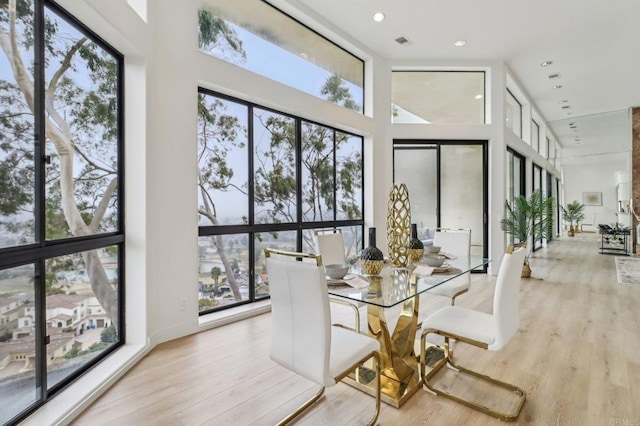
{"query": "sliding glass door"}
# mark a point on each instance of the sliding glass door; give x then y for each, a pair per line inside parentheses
(537, 186)
(447, 183)
(417, 167)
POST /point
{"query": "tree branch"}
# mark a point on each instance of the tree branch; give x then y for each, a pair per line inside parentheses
(9, 43)
(103, 205)
(64, 66)
(90, 161)
(60, 122)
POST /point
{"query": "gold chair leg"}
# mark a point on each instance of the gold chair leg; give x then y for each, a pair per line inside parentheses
(448, 359)
(300, 409)
(453, 298)
(356, 311)
(376, 358)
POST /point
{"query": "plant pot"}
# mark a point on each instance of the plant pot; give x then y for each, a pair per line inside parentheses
(526, 271)
(570, 232)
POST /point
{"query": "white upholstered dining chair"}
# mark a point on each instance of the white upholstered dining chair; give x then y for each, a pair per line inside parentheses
(456, 242)
(486, 331)
(303, 339)
(330, 245)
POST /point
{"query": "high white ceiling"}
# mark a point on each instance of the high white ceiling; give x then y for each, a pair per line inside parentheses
(594, 46)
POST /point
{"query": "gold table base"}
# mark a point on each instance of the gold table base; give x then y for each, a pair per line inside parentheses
(399, 366)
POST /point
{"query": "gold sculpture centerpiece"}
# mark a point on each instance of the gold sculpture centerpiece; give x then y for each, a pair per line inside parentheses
(398, 226)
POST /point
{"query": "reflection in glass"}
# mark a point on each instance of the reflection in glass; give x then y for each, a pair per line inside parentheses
(283, 240)
(82, 137)
(17, 180)
(17, 341)
(274, 167)
(417, 168)
(260, 38)
(223, 270)
(81, 309)
(348, 176)
(317, 173)
(222, 162)
(438, 97)
(352, 236)
(462, 191)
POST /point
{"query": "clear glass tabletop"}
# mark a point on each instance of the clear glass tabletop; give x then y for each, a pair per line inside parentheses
(396, 285)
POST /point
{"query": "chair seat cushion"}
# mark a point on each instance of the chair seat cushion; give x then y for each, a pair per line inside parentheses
(347, 348)
(451, 287)
(463, 322)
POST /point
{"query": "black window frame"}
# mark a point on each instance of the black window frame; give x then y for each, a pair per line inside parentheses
(38, 252)
(300, 225)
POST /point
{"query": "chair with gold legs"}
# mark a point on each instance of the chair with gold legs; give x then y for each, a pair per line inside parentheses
(456, 242)
(486, 331)
(330, 245)
(303, 339)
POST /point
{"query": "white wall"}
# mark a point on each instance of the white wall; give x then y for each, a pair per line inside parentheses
(597, 175)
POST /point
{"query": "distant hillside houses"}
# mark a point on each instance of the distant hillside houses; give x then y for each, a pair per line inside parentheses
(68, 318)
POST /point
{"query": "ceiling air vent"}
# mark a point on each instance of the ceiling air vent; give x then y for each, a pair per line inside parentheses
(566, 107)
(403, 41)
(553, 76)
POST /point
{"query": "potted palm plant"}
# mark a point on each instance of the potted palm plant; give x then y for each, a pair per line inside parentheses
(573, 213)
(529, 217)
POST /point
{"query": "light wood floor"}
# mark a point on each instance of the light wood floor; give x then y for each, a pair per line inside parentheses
(577, 355)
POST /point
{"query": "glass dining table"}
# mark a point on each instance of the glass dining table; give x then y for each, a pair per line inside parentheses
(399, 366)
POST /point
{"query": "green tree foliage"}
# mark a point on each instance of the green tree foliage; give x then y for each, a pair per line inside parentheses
(215, 274)
(109, 335)
(574, 212)
(336, 92)
(215, 34)
(529, 217)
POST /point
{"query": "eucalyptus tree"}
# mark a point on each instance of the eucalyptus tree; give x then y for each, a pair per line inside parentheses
(80, 130)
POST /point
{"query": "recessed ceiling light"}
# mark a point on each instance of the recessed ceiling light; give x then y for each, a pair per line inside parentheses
(546, 63)
(378, 17)
(564, 101)
(478, 96)
(459, 43)
(557, 86)
(304, 55)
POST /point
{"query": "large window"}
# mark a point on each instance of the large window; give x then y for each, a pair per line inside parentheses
(537, 186)
(513, 111)
(61, 228)
(438, 97)
(535, 136)
(515, 180)
(267, 179)
(258, 37)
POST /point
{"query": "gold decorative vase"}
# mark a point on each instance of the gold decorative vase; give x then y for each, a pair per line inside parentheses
(398, 226)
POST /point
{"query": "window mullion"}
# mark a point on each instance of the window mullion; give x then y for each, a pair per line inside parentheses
(40, 197)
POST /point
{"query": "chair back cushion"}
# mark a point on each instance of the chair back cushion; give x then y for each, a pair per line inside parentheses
(506, 299)
(331, 247)
(301, 319)
(457, 242)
